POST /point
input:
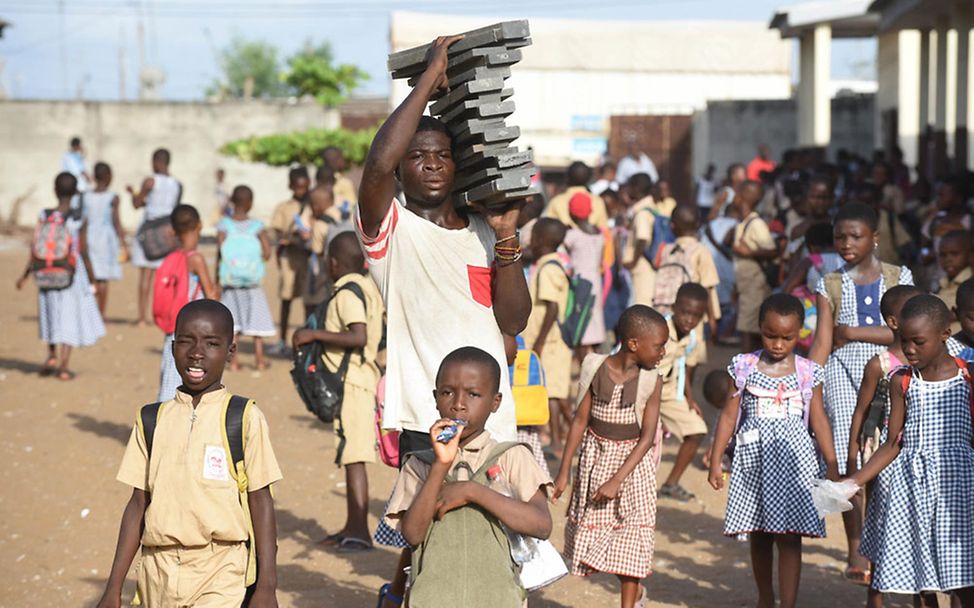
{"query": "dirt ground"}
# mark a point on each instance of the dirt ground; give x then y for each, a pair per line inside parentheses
(61, 443)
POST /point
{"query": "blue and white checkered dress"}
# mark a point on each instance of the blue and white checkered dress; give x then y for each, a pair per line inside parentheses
(927, 542)
(843, 371)
(771, 477)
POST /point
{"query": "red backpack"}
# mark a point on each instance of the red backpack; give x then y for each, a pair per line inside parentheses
(52, 252)
(170, 291)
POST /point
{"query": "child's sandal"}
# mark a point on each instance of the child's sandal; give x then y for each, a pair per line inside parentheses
(385, 593)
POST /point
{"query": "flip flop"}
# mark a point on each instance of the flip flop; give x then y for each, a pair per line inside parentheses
(858, 576)
(65, 375)
(50, 366)
(354, 545)
(332, 540)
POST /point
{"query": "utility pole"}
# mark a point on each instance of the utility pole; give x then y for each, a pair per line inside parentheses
(121, 63)
(141, 43)
(63, 49)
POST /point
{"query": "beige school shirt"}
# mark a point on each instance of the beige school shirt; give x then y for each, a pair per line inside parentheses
(193, 499)
(518, 467)
(282, 220)
(548, 283)
(346, 309)
(702, 269)
(344, 190)
(641, 225)
(753, 232)
(948, 293)
(675, 348)
(558, 208)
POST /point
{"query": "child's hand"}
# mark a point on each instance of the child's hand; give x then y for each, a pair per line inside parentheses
(438, 59)
(538, 347)
(446, 453)
(743, 250)
(561, 482)
(694, 406)
(716, 477)
(302, 336)
(110, 600)
(130, 189)
(263, 597)
(21, 281)
(452, 496)
(840, 336)
(608, 491)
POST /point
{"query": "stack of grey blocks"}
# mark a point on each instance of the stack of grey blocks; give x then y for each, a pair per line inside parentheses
(490, 171)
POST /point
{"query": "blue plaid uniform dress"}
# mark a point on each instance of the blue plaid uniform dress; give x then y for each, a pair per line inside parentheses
(843, 371)
(927, 542)
(771, 477)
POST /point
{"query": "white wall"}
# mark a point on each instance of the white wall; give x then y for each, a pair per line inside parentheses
(35, 135)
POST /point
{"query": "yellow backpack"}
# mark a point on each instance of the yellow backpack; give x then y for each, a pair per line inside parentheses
(528, 388)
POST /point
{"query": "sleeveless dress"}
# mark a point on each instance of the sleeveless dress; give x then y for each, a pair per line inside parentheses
(859, 307)
(102, 239)
(927, 540)
(248, 305)
(774, 462)
(160, 202)
(70, 316)
(614, 536)
(169, 379)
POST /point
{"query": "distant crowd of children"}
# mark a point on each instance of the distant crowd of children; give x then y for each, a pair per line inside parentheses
(482, 322)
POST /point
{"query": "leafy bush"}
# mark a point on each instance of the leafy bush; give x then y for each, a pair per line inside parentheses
(301, 147)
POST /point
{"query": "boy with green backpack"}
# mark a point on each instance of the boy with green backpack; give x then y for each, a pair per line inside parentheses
(467, 505)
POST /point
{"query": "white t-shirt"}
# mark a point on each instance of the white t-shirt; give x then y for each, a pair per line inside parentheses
(436, 284)
(630, 166)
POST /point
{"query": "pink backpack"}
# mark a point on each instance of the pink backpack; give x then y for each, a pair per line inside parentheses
(388, 440)
(170, 290)
(747, 363)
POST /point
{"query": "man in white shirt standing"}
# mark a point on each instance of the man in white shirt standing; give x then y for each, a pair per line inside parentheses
(74, 163)
(635, 161)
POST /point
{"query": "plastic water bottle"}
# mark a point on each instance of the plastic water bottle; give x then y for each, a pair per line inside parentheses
(523, 548)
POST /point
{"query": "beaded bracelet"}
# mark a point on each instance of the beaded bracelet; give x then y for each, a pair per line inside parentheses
(507, 261)
(513, 237)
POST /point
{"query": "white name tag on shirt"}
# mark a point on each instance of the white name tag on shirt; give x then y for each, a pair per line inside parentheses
(215, 463)
(769, 407)
(748, 436)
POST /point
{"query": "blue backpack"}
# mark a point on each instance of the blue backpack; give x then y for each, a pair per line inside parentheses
(241, 258)
(662, 236)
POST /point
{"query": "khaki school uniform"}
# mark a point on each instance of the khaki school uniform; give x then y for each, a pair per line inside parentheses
(357, 419)
(752, 286)
(292, 259)
(948, 293)
(643, 274)
(518, 466)
(344, 190)
(549, 283)
(194, 550)
(558, 208)
(319, 281)
(674, 411)
(889, 244)
(703, 271)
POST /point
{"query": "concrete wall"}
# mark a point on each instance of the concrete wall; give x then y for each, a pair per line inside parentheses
(730, 131)
(35, 135)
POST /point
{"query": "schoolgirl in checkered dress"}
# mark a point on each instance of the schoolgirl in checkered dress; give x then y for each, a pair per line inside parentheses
(618, 535)
(771, 475)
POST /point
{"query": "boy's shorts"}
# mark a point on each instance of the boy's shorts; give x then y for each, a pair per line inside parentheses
(556, 359)
(680, 420)
(752, 289)
(293, 276)
(213, 576)
(357, 422)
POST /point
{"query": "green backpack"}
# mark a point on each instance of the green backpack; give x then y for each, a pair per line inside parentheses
(469, 547)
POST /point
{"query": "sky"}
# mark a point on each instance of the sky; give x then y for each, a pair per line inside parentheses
(69, 49)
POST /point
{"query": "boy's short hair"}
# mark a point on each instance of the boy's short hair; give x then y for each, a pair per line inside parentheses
(965, 295)
(641, 184)
(894, 298)
(208, 307)
(184, 218)
(822, 178)
(686, 217)
(857, 212)
(929, 307)
(578, 174)
(475, 356)
(325, 175)
(65, 184)
(550, 230)
(102, 171)
(346, 250)
(161, 155)
(636, 320)
(957, 235)
(783, 304)
(242, 192)
(716, 385)
(75, 141)
(820, 236)
(297, 173)
(692, 291)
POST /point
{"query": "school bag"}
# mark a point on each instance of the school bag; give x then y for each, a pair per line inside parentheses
(806, 335)
(170, 289)
(468, 545)
(528, 387)
(388, 438)
(672, 271)
(833, 285)
(53, 261)
(157, 238)
(235, 409)
(578, 308)
(804, 369)
(662, 236)
(241, 256)
(875, 421)
(322, 390)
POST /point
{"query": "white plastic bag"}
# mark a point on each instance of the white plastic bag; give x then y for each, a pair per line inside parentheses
(831, 496)
(544, 568)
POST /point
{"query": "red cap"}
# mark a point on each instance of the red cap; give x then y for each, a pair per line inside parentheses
(494, 472)
(580, 205)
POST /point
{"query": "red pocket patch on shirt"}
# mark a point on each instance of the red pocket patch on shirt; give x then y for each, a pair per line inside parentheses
(481, 283)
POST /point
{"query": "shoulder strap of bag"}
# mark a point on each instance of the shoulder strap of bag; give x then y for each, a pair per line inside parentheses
(804, 370)
(742, 369)
(833, 289)
(233, 421)
(891, 275)
(590, 366)
(235, 410)
(148, 417)
(495, 454)
(720, 247)
(884, 362)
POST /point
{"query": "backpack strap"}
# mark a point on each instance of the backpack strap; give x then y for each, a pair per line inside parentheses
(884, 362)
(148, 418)
(495, 454)
(833, 290)
(891, 275)
(804, 369)
(590, 366)
(235, 409)
(742, 369)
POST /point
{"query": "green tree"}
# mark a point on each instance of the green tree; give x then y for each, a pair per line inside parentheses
(311, 72)
(243, 59)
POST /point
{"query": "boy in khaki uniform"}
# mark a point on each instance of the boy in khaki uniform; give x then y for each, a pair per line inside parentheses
(194, 530)
(320, 283)
(549, 287)
(753, 243)
(679, 412)
(291, 226)
(578, 176)
(355, 327)
(954, 257)
(641, 216)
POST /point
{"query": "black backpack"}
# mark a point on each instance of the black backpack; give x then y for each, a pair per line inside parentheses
(322, 390)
